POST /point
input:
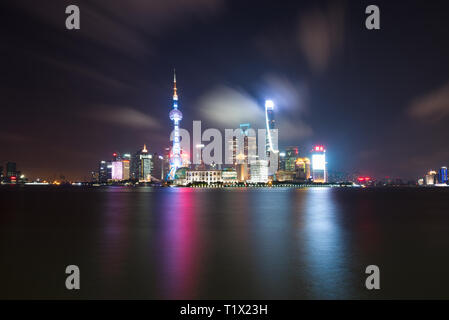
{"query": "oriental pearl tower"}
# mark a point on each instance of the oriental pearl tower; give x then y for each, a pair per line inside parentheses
(175, 116)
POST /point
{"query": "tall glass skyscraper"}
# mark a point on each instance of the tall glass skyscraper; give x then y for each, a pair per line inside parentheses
(270, 125)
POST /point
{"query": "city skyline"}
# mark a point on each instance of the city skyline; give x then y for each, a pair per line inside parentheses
(355, 93)
(224, 155)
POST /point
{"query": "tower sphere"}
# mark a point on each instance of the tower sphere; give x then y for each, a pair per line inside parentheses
(175, 114)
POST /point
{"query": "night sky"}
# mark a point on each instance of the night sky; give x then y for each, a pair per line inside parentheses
(378, 100)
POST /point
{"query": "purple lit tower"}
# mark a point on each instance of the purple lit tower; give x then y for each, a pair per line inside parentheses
(176, 117)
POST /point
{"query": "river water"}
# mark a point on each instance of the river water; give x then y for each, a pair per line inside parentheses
(184, 243)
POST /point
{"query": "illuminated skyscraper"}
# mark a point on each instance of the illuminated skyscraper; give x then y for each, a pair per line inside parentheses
(291, 154)
(319, 172)
(270, 125)
(145, 165)
(442, 175)
(103, 172)
(175, 116)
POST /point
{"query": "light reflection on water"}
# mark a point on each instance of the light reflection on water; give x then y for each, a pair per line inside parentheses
(181, 243)
(325, 248)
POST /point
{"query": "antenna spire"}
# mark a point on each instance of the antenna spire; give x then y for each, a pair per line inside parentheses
(175, 94)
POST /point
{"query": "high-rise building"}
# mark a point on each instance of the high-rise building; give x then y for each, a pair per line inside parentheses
(11, 169)
(270, 125)
(281, 159)
(319, 172)
(158, 164)
(291, 154)
(1, 173)
(166, 163)
(233, 146)
(175, 116)
(249, 143)
(142, 165)
(117, 170)
(442, 175)
(245, 150)
(126, 169)
(259, 171)
(103, 172)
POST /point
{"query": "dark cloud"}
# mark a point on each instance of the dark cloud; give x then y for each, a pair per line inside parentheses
(123, 116)
(321, 35)
(433, 106)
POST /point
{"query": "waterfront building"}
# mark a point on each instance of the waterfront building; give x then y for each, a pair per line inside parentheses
(302, 169)
(229, 175)
(319, 172)
(206, 176)
(242, 172)
(442, 175)
(259, 171)
(175, 116)
(430, 178)
(180, 177)
(285, 176)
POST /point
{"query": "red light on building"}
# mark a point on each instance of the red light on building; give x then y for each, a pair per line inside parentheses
(114, 154)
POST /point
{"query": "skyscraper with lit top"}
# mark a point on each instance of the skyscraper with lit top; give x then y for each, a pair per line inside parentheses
(319, 171)
(175, 116)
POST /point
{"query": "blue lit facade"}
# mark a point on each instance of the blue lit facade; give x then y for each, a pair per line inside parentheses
(175, 116)
(442, 175)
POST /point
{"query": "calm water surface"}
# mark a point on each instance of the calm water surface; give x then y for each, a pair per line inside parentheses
(181, 243)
